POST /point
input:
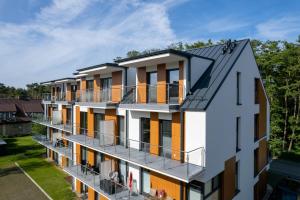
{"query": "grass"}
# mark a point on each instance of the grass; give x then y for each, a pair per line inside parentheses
(28, 154)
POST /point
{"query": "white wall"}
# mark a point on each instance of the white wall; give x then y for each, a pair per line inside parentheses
(221, 125)
(135, 170)
(195, 133)
(198, 67)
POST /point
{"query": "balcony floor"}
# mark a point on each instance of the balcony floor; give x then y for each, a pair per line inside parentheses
(94, 182)
(169, 167)
(67, 152)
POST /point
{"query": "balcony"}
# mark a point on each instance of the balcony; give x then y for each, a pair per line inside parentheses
(53, 123)
(57, 146)
(153, 157)
(103, 98)
(62, 97)
(159, 97)
(104, 185)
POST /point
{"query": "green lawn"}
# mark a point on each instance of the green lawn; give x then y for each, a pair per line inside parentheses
(28, 154)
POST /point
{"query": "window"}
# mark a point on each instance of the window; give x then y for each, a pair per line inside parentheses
(146, 181)
(123, 171)
(256, 127)
(256, 91)
(122, 139)
(98, 117)
(105, 93)
(151, 87)
(165, 129)
(238, 134)
(238, 88)
(83, 123)
(237, 171)
(83, 155)
(173, 85)
(212, 188)
(195, 191)
(255, 162)
(145, 134)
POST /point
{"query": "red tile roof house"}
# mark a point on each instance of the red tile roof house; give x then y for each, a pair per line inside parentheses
(15, 115)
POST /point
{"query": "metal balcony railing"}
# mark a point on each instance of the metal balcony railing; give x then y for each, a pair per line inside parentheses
(52, 122)
(59, 96)
(182, 164)
(57, 146)
(101, 183)
(159, 93)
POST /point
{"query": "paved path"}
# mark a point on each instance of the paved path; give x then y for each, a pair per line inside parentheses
(286, 168)
(17, 186)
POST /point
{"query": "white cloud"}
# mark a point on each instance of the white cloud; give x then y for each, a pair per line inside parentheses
(70, 34)
(225, 24)
(285, 28)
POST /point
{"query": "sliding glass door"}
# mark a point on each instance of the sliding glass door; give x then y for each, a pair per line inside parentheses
(145, 134)
(165, 129)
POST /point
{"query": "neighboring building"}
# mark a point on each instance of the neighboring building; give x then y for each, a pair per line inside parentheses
(15, 115)
(180, 124)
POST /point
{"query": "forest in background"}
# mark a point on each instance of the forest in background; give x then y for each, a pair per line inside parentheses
(279, 65)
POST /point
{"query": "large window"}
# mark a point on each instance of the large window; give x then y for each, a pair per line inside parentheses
(238, 88)
(195, 191)
(256, 127)
(83, 155)
(238, 134)
(98, 117)
(237, 172)
(212, 189)
(122, 139)
(83, 123)
(146, 181)
(165, 129)
(106, 84)
(173, 85)
(145, 134)
(152, 87)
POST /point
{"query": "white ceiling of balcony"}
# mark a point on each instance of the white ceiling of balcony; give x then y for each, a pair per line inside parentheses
(99, 70)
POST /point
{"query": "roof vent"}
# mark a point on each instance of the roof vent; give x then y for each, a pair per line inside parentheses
(229, 46)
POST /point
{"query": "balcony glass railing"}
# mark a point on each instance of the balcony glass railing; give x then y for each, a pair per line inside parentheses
(159, 93)
(59, 96)
(58, 146)
(54, 123)
(103, 184)
(113, 94)
(182, 164)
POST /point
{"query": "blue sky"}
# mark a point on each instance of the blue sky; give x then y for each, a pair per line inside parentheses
(49, 39)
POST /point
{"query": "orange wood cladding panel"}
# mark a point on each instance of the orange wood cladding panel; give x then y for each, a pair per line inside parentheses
(228, 182)
(181, 81)
(68, 93)
(90, 122)
(78, 186)
(110, 114)
(116, 86)
(260, 187)
(154, 133)
(51, 154)
(262, 154)
(78, 153)
(262, 100)
(176, 136)
(64, 114)
(83, 84)
(90, 155)
(161, 83)
(97, 88)
(102, 197)
(142, 85)
(64, 161)
(77, 121)
(169, 185)
(91, 194)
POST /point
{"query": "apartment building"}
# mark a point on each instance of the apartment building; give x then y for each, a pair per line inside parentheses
(170, 124)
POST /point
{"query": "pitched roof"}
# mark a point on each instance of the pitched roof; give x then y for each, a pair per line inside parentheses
(209, 83)
(97, 66)
(8, 107)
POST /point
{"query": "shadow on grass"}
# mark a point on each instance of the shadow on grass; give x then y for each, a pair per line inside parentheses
(10, 170)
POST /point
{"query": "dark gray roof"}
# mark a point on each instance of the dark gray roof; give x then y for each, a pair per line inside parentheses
(209, 83)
